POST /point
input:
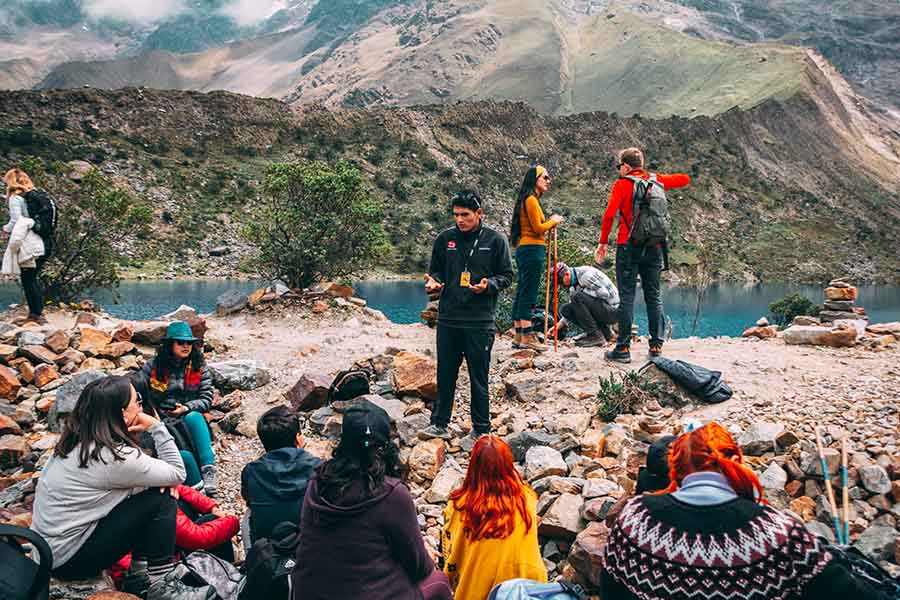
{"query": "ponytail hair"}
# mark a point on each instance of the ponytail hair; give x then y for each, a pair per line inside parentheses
(711, 448)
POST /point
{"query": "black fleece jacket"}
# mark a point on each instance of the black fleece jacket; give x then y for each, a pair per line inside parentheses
(461, 307)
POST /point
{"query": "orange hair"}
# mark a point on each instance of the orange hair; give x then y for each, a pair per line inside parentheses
(17, 181)
(711, 448)
(492, 492)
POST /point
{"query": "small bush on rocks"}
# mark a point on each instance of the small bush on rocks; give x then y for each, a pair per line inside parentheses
(794, 305)
(624, 394)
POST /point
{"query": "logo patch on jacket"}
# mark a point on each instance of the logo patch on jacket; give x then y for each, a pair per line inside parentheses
(451, 245)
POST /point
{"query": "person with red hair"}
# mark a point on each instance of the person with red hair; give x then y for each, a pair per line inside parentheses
(711, 534)
(490, 525)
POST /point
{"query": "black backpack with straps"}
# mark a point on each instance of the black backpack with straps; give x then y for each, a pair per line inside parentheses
(269, 564)
(42, 210)
(650, 212)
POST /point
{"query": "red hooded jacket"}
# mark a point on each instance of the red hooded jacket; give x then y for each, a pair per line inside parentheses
(620, 200)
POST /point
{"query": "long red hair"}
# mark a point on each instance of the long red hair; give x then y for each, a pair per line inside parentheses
(492, 492)
(711, 448)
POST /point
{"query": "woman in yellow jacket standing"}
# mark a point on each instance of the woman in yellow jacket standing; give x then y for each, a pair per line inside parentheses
(490, 525)
(527, 237)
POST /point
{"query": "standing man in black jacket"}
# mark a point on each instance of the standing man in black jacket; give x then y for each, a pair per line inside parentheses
(469, 267)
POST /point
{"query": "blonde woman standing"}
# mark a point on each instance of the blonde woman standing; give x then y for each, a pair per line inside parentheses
(25, 252)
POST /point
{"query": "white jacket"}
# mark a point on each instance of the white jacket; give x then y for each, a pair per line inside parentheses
(23, 248)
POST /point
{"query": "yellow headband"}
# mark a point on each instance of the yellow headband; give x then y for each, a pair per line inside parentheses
(539, 170)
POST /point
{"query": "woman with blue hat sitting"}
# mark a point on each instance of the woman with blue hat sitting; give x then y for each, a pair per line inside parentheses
(179, 388)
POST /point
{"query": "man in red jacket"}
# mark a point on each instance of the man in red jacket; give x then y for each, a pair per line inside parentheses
(633, 261)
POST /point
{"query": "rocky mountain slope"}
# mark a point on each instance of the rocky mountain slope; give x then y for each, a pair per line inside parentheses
(655, 58)
(797, 190)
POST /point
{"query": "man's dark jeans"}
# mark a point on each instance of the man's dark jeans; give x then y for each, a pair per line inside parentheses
(452, 345)
(591, 314)
(631, 262)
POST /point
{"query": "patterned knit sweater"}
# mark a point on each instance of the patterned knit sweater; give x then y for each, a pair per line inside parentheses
(663, 549)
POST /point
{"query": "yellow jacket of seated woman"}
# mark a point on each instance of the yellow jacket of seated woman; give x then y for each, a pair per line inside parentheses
(475, 567)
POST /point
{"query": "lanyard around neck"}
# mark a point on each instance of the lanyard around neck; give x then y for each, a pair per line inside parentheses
(472, 249)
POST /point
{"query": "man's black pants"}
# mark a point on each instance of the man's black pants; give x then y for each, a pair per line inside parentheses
(631, 262)
(591, 314)
(144, 525)
(452, 345)
(31, 284)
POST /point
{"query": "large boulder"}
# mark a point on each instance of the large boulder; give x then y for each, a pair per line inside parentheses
(449, 478)
(759, 438)
(30, 338)
(527, 386)
(586, 555)
(58, 341)
(9, 383)
(543, 461)
(13, 449)
(804, 335)
(182, 313)
(841, 293)
(877, 542)
(393, 407)
(414, 374)
(39, 354)
(563, 519)
(408, 427)
(875, 479)
(426, 459)
(67, 396)
(93, 341)
(244, 375)
(231, 302)
(149, 333)
(773, 478)
(310, 392)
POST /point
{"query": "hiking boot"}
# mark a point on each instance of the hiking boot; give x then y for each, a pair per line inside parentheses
(655, 350)
(619, 354)
(530, 341)
(468, 442)
(136, 583)
(210, 487)
(39, 319)
(434, 431)
(591, 341)
(171, 587)
(517, 341)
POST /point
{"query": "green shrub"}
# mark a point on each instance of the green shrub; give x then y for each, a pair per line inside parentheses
(623, 394)
(784, 310)
(96, 220)
(315, 221)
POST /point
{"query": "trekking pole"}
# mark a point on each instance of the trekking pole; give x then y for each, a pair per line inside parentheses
(845, 493)
(832, 505)
(555, 292)
(547, 292)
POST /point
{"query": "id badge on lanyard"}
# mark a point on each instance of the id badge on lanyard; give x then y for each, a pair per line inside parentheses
(465, 278)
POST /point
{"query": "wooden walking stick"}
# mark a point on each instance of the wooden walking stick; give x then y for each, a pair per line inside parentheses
(832, 505)
(845, 492)
(547, 292)
(555, 293)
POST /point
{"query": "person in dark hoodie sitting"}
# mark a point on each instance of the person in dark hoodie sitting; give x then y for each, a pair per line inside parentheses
(273, 486)
(359, 534)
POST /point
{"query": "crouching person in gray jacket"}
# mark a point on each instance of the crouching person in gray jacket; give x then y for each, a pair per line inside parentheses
(593, 303)
(100, 497)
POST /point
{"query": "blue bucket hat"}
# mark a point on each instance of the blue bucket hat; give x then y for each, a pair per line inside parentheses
(181, 331)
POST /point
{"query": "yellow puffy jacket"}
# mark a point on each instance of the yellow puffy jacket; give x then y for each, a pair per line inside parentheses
(476, 567)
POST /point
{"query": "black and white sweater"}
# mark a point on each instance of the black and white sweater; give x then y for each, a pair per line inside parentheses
(664, 549)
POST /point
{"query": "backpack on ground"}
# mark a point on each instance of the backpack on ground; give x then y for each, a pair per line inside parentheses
(20, 577)
(269, 564)
(526, 589)
(866, 570)
(42, 210)
(205, 569)
(348, 385)
(650, 212)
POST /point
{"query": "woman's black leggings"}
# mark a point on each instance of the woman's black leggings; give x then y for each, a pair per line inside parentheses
(144, 525)
(31, 283)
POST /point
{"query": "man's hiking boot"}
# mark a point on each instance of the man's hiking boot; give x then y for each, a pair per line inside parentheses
(591, 341)
(530, 341)
(655, 350)
(433, 431)
(136, 583)
(468, 442)
(210, 487)
(617, 354)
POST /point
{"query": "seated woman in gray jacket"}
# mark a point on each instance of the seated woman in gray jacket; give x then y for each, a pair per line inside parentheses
(100, 497)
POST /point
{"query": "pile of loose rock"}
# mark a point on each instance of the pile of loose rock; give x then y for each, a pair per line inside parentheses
(319, 298)
(840, 324)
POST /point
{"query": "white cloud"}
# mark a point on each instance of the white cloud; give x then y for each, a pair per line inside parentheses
(251, 12)
(133, 11)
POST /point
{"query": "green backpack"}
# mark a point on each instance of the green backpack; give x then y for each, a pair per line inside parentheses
(650, 212)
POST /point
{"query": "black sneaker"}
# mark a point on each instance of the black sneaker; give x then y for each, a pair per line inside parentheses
(136, 584)
(591, 341)
(433, 431)
(655, 350)
(617, 354)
